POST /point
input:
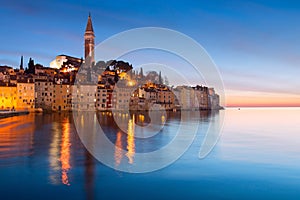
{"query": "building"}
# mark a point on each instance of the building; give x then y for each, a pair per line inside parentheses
(165, 98)
(121, 98)
(214, 99)
(44, 91)
(104, 96)
(84, 97)
(8, 96)
(184, 97)
(201, 93)
(26, 94)
(62, 97)
(89, 41)
(119, 87)
(67, 63)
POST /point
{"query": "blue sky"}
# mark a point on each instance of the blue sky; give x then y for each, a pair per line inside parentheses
(255, 44)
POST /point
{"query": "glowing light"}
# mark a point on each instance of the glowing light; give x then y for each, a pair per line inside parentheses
(130, 141)
(118, 149)
(163, 118)
(65, 154)
(141, 118)
(130, 83)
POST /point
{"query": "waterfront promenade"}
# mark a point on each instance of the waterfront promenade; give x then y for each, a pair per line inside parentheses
(10, 113)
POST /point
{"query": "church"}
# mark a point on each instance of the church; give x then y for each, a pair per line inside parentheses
(69, 63)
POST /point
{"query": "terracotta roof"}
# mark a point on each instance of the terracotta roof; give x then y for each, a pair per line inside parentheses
(89, 25)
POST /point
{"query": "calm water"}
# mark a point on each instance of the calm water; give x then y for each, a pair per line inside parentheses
(257, 156)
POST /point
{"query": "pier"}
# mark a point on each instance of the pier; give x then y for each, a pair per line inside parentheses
(8, 113)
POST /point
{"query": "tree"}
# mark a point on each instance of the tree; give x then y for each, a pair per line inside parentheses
(141, 73)
(31, 67)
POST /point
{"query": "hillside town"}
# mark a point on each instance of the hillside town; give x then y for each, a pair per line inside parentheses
(71, 84)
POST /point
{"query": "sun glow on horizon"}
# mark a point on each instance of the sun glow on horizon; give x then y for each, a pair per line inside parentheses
(261, 99)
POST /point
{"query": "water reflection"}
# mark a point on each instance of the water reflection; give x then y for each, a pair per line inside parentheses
(54, 153)
(59, 152)
(130, 140)
(16, 137)
(118, 149)
(65, 153)
(128, 144)
(89, 176)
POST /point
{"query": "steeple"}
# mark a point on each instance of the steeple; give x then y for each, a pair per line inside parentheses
(89, 25)
(89, 43)
(21, 64)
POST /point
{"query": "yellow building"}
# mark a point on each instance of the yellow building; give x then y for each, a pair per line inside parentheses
(25, 95)
(61, 100)
(8, 96)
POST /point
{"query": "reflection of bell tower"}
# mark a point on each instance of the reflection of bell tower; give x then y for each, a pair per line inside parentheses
(89, 43)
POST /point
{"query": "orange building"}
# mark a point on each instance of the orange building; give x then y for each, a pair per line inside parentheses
(8, 96)
(25, 95)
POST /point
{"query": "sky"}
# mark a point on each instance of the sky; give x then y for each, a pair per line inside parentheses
(254, 44)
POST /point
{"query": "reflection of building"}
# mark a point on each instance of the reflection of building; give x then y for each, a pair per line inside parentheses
(130, 141)
(118, 149)
(60, 152)
(65, 153)
(17, 138)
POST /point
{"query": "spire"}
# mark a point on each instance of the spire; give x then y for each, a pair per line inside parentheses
(89, 43)
(21, 64)
(89, 25)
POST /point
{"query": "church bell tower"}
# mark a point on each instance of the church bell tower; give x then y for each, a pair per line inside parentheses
(89, 41)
